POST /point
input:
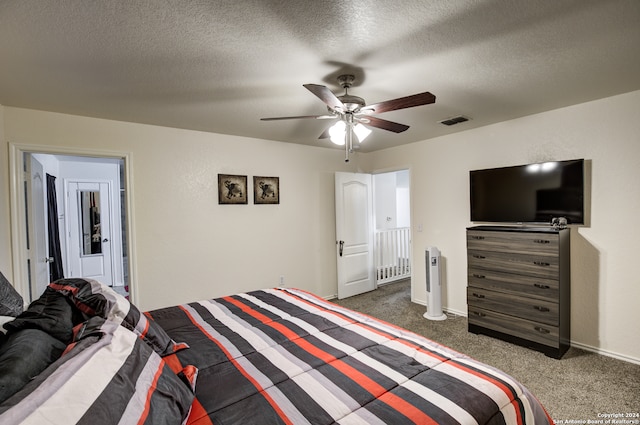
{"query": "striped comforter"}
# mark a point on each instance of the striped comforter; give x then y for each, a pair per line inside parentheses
(111, 372)
(285, 356)
(109, 377)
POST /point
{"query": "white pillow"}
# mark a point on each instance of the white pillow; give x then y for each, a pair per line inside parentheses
(3, 320)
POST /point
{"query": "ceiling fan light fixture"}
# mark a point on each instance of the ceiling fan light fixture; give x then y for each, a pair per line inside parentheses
(353, 113)
(337, 133)
(361, 132)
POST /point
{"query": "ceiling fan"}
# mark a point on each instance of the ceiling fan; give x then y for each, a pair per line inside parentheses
(354, 115)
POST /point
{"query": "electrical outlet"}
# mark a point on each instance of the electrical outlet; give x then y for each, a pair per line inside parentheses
(282, 281)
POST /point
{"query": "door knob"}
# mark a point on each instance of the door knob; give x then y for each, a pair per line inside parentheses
(48, 260)
(105, 240)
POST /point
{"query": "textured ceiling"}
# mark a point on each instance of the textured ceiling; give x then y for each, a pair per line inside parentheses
(220, 66)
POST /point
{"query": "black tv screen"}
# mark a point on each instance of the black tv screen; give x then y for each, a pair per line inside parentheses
(533, 193)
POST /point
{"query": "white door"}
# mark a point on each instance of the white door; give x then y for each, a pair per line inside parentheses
(37, 228)
(89, 231)
(354, 234)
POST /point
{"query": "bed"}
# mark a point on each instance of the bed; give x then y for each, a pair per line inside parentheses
(273, 356)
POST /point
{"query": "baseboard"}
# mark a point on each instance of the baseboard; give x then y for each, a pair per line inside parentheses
(454, 311)
(445, 309)
(607, 353)
(596, 350)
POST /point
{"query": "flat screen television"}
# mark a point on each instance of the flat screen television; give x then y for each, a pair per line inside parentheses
(533, 193)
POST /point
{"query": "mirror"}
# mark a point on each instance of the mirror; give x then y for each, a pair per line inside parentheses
(90, 218)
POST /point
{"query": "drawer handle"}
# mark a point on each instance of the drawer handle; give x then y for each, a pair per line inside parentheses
(541, 263)
(478, 238)
(477, 295)
(541, 286)
(542, 330)
(540, 308)
(480, 257)
(477, 313)
(479, 276)
(541, 241)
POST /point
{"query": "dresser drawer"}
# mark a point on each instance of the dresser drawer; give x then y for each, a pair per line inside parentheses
(513, 262)
(513, 242)
(521, 328)
(513, 305)
(531, 286)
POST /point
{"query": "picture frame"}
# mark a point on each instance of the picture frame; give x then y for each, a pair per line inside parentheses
(266, 190)
(232, 189)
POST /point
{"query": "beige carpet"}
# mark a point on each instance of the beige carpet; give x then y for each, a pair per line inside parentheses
(582, 386)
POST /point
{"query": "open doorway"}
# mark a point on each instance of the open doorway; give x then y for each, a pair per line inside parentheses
(392, 226)
(92, 218)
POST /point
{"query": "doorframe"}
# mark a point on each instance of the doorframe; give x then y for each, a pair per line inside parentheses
(18, 210)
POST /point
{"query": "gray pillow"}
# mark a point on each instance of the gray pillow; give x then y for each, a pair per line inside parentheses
(11, 303)
(52, 313)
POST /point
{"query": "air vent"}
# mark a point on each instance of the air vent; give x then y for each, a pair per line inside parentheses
(454, 120)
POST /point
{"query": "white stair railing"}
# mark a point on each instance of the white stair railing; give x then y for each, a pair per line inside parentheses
(393, 254)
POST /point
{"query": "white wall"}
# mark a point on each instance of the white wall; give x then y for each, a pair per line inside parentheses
(605, 281)
(187, 246)
(403, 198)
(384, 186)
(392, 199)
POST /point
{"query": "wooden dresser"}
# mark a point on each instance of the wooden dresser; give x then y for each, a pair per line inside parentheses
(519, 286)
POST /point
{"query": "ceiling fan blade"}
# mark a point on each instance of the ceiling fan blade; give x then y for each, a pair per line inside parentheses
(317, 117)
(401, 103)
(325, 95)
(385, 125)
